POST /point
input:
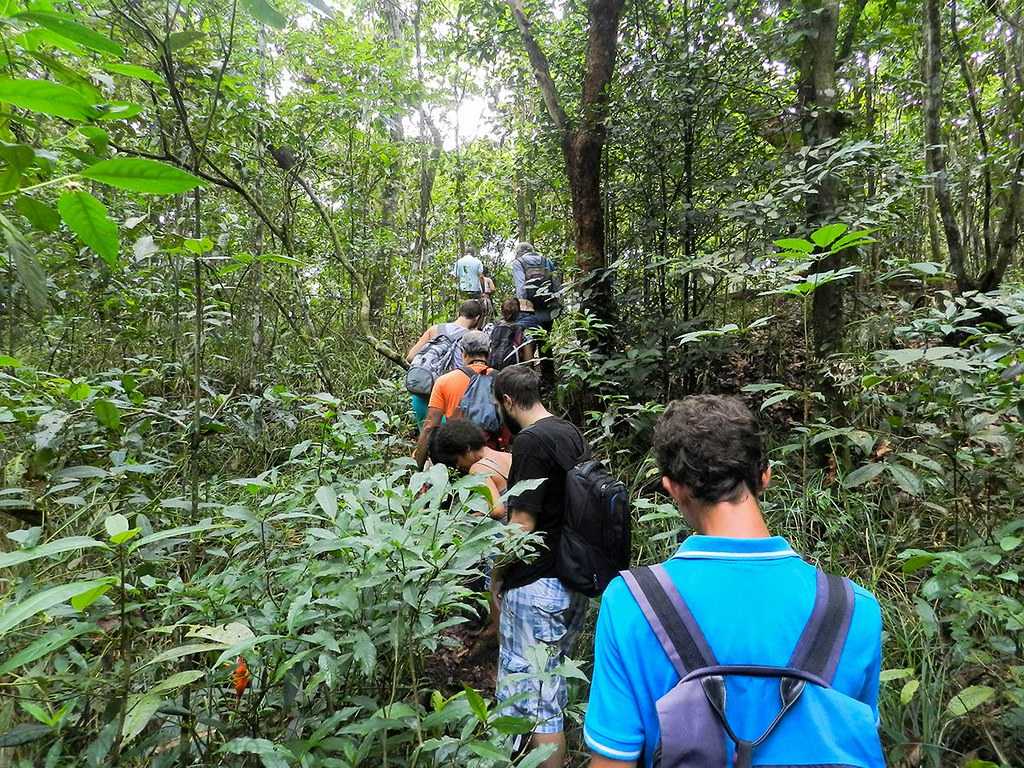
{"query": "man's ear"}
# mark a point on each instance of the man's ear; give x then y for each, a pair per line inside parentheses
(766, 478)
(677, 491)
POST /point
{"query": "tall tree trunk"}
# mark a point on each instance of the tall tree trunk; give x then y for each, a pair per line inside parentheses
(935, 154)
(583, 142)
(819, 125)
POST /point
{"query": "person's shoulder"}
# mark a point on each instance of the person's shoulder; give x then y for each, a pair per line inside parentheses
(866, 609)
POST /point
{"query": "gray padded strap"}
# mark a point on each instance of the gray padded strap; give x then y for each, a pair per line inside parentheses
(670, 618)
(824, 636)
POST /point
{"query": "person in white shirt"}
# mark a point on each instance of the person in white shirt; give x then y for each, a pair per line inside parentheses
(469, 271)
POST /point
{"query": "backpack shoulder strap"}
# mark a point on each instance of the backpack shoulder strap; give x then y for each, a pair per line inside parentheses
(469, 372)
(670, 618)
(824, 636)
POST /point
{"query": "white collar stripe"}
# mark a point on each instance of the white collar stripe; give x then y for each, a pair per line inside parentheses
(731, 555)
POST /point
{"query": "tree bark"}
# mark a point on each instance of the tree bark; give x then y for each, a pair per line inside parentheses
(935, 155)
(819, 125)
(582, 142)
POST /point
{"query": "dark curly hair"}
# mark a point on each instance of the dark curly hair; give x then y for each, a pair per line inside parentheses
(454, 438)
(712, 445)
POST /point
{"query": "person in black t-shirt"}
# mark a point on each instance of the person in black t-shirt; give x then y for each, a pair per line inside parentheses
(536, 608)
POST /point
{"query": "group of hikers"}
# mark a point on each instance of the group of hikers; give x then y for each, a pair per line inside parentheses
(735, 651)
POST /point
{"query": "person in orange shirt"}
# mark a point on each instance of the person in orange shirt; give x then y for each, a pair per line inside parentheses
(449, 389)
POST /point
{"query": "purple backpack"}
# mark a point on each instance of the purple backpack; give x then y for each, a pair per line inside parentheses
(827, 728)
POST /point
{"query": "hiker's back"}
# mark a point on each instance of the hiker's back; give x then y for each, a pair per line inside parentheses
(752, 600)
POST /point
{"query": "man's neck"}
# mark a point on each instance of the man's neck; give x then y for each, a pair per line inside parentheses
(739, 520)
(532, 415)
(465, 322)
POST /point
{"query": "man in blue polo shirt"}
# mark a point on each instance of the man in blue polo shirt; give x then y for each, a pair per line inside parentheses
(748, 592)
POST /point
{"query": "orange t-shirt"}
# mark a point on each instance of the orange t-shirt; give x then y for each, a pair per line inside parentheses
(449, 389)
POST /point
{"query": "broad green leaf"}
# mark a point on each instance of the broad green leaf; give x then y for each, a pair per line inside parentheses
(508, 724)
(6, 361)
(795, 244)
(184, 650)
(141, 708)
(40, 215)
(107, 414)
(115, 524)
(488, 751)
(64, 26)
(863, 474)
(171, 533)
(119, 110)
(903, 356)
(84, 600)
(27, 268)
(908, 690)
(905, 478)
(16, 158)
(537, 756)
(10, 559)
(270, 754)
(178, 680)
(969, 699)
(134, 70)
(176, 41)
(917, 562)
(476, 703)
(87, 217)
(46, 98)
(1008, 543)
(226, 634)
(824, 236)
(23, 734)
(198, 245)
(123, 536)
(263, 11)
(78, 392)
(41, 601)
(98, 138)
(895, 674)
(327, 498)
(365, 652)
(43, 646)
(138, 174)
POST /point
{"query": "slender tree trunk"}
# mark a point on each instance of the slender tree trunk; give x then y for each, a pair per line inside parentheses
(935, 155)
(817, 96)
(582, 143)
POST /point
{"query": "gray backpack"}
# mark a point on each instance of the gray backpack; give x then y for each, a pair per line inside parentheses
(477, 404)
(434, 360)
(831, 729)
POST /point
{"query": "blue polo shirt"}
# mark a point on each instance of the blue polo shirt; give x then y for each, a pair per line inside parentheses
(751, 599)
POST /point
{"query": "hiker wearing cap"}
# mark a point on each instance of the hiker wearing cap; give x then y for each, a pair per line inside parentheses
(447, 398)
(735, 651)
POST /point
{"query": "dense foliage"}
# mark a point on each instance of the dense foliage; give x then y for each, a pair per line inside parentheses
(225, 220)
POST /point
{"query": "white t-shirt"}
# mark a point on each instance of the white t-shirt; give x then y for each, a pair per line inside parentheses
(469, 269)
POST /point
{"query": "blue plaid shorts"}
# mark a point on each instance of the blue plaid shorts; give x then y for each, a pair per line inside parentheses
(539, 626)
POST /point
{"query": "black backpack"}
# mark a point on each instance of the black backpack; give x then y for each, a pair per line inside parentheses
(595, 542)
(506, 339)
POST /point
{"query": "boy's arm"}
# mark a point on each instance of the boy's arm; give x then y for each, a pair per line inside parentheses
(614, 729)
(432, 421)
(414, 350)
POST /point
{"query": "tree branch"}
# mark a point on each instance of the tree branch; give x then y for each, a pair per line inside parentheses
(541, 70)
(850, 35)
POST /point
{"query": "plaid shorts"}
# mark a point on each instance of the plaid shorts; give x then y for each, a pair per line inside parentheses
(539, 626)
